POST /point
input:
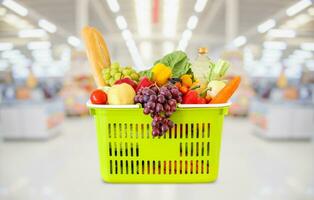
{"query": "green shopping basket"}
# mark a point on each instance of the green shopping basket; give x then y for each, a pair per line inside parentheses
(188, 153)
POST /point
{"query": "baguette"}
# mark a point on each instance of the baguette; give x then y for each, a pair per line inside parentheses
(97, 53)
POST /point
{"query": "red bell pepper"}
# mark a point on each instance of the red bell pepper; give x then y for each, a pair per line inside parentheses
(145, 82)
(192, 97)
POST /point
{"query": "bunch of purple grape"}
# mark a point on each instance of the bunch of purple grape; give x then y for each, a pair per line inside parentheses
(160, 103)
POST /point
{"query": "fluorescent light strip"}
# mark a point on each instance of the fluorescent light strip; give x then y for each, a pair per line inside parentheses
(307, 46)
(302, 53)
(298, 7)
(16, 21)
(200, 5)
(121, 23)
(16, 7)
(39, 45)
(267, 25)
(182, 45)
(126, 34)
(46, 25)
(187, 34)
(239, 41)
(113, 5)
(74, 41)
(170, 15)
(282, 33)
(192, 22)
(32, 33)
(134, 54)
(143, 16)
(275, 45)
(6, 46)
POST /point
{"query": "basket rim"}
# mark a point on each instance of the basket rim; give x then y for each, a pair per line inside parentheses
(90, 105)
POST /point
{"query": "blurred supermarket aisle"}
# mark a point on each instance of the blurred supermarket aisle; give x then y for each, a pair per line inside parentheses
(66, 167)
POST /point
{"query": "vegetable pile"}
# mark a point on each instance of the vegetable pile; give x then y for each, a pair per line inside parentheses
(170, 81)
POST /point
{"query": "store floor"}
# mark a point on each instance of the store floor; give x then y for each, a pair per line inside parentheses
(66, 168)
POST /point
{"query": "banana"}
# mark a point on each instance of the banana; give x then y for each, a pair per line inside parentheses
(97, 53)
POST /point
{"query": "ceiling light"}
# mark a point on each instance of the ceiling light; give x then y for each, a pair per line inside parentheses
(48, 26)
(16, 7)
(32, 33)
(200, 5)
(275, 45)
(3, 11)
(170, 16)
(307, 46)
(11, 53)
(167, 47)
(127, 35)
(239, 41)
(267, 25)
(121, 23)
(187, 34)
(283, 33)
(182, 45)
(192, 22)
(16, 21)
(298, 7)
(38, 45)
(5, 46)
(146, 49)
(74, 41)
(113, 5)
(143, 16)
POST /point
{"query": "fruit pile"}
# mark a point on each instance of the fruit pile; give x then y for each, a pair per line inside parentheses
(170, 81)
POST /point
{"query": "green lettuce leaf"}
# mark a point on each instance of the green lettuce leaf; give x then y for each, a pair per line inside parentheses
(178, 62)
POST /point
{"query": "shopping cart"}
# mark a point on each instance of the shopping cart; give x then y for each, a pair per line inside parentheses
(188, 153)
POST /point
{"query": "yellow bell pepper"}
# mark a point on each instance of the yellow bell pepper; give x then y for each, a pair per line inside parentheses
(161, 74)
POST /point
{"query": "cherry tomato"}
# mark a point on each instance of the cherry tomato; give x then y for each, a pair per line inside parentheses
(98, 97)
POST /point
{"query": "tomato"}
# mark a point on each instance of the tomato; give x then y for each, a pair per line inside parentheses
(98, 97)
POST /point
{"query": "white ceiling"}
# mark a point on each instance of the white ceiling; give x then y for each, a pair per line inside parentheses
(210, 32)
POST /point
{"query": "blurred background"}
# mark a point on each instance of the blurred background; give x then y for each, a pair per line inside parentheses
(48, 147)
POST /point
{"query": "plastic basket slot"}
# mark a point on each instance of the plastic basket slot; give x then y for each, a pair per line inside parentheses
(148, 131)
(202, 166)
(191, 167)
(121, 149)
(196, 148)
(169, 166)
(207, 167)
(110, 149)
(207, 149)
(148, 167)
(125, 130)
(119, 128)
(202, 151)
(159, 167)
(131, 149)
(181, 151)
(196, 167)
(170, 133)
(208, 130)
(186, 149)
(154, 167)
(192, 131)
(192, 144)
(137, 167)
(114, 130)
(181, 130)
(110, 166)
(132, 167)
(137, 150)
(109, 130)
(121, 166)
(186, 131)
(115, 149)
(143, 167)
(186, 167)
(175, 130)
(116, 166)
(126, 149)
(126, 167)
(203, 130)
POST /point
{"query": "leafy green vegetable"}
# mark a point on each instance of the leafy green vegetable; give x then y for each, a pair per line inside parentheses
(148, 73)
(218, 70)
(178, 62)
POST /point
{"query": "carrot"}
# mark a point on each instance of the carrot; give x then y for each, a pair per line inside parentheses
(224, 95)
